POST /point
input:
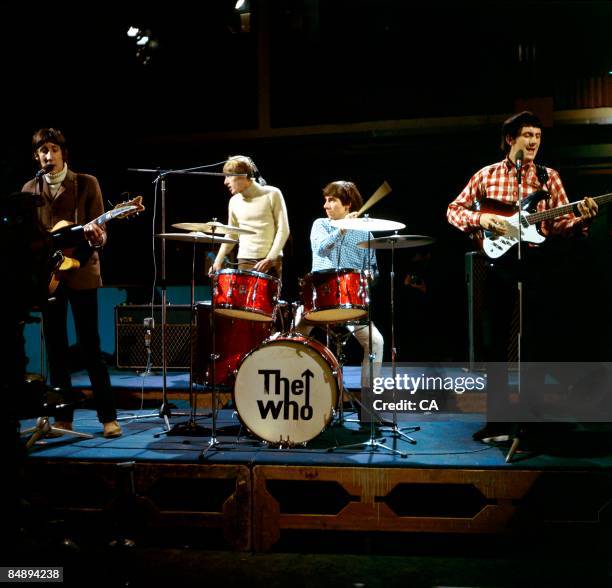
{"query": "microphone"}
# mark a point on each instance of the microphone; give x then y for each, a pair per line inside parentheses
(44, 170)
(519, 159)
(258, 177)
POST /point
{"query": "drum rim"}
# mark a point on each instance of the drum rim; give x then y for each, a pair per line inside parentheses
(312, 313)
(248, 273)
(302, 340)
(342, 270)
(245, 309)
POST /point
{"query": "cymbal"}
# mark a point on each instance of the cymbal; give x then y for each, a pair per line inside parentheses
(397, 242)
(366, 223)
(208, 228)
(195, 238)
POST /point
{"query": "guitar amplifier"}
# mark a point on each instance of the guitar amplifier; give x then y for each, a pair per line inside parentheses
(130, 332)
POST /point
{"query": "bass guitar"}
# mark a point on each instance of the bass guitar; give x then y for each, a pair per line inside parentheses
(526, 221)
(71, 249)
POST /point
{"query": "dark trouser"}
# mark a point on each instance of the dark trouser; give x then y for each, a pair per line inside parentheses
(551, 323)
(275, 270)
(84, 304)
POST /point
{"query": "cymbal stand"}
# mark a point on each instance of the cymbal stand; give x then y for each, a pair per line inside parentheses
(372, 444)
(394, 428)
(191, 428)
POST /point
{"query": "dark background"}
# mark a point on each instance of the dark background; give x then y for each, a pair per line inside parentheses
(314, 91)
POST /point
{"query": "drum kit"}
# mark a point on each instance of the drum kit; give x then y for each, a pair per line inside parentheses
(286, 387)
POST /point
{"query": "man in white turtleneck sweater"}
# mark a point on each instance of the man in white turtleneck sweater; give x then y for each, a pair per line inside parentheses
(261, 209)
(77, 198)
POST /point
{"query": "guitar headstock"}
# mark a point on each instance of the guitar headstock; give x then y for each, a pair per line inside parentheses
(128, 208)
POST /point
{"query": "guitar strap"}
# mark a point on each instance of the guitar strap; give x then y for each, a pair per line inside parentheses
(542, 174)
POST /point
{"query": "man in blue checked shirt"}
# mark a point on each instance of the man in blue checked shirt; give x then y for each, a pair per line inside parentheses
(334, 248)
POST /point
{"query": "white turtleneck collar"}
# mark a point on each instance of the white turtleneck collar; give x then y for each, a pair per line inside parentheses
(55, 179)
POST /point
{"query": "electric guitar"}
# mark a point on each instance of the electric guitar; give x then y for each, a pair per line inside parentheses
(71, 249)
(526, 221)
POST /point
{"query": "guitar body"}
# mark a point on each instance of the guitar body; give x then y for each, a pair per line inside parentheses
(496, 245)
(72, 249)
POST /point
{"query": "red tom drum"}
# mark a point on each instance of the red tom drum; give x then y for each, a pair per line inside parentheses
(244, 294)
(334, 295)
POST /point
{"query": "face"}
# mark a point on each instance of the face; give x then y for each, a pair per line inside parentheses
(528, 140)
(50, 154)
(237, 184)
(334, 208)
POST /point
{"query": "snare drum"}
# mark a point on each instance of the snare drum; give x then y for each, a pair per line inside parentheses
(246, 294)
(332, 296)
(287, 389)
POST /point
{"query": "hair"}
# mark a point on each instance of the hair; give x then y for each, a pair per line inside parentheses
(513, 125)
(346, 192)
(43, 136)
(240, 164)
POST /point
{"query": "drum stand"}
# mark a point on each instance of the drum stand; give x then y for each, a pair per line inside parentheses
(372, 444)
(191, 427)
(340, 340)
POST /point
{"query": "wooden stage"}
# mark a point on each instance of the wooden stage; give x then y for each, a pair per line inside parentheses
(245, 495)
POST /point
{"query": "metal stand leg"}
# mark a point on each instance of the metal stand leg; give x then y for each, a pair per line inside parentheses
(372, 444)
(394, 428)
(43, 427)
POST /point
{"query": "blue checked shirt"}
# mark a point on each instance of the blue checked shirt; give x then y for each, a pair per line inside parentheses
(331, 250)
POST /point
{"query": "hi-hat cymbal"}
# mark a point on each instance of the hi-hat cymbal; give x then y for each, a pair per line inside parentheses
(195, 238)
(367, 224)
(397, 242)
(213, 226)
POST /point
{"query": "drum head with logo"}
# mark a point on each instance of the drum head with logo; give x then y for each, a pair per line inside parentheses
(286, 390)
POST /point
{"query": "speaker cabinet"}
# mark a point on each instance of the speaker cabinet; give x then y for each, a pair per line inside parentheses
(131, 334)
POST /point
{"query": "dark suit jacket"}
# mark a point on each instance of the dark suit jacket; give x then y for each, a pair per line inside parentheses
(79, 200)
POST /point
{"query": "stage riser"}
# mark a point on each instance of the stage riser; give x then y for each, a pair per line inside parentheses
(208, 505)
(258, 508)
(445, 501)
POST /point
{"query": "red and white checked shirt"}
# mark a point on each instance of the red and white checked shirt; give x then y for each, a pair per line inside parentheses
(499, 182)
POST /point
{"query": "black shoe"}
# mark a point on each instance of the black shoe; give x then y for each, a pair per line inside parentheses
(493, 430)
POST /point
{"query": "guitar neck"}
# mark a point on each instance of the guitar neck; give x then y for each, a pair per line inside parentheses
(551, 213)
(103, 218)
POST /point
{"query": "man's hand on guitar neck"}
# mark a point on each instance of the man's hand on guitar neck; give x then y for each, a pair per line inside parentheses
(95, 234)
(494, 223)
(587, 208)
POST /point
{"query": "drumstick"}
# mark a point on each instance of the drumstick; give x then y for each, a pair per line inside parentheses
(382, 191)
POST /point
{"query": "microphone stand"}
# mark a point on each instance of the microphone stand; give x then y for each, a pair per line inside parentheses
(515, 436)
(164, 410)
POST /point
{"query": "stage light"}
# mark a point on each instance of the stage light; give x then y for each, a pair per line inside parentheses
(143, 40)
(133, 31)
(242, 6)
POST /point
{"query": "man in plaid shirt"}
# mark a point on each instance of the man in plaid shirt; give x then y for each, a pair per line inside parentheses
(520, 133)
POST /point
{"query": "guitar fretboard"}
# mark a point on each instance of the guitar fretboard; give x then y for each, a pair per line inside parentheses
(537, 217)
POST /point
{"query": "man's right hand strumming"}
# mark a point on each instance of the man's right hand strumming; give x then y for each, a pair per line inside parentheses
(494, 223)
(214, 268)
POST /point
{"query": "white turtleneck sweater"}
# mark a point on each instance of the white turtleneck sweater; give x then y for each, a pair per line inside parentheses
(261, 209)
